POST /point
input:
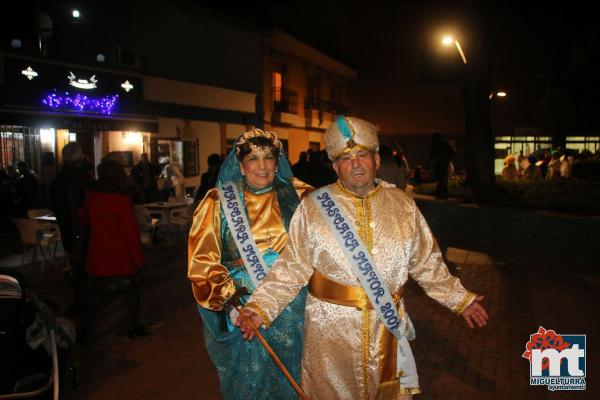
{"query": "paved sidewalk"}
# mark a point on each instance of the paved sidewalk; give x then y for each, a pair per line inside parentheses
(454, 362)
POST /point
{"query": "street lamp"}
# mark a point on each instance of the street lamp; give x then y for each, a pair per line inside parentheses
(500, 93)
(449, 40)
(479, 148)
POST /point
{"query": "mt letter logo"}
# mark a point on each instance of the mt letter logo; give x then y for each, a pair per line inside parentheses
(556, 361)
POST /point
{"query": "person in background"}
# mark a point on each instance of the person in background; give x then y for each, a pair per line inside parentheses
(145, 174)
(440, 155)
(258, 172)
(135, 191)
(114, 256)
(565, 166)
(554, 165)
(543, 162)
(318, 173)
(208, 180)
(68, 192)
(28, 189)
(300, 168)
(389, 170)
(175, 175)
(8, 196)
(509, 172)
(521, 160)
(532, 171)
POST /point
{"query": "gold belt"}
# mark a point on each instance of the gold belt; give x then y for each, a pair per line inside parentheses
(330, 291)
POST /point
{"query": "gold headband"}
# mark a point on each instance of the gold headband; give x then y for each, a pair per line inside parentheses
(352, 148)
(272, 136)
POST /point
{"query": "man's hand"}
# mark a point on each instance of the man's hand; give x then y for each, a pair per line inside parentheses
(475, 314)
(243, 322)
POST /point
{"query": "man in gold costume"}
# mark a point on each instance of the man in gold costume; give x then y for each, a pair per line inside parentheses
(353, 350)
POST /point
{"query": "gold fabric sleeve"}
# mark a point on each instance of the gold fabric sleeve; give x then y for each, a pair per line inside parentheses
(211, 283)
(427, 267)
(302, 188)
(255, 308)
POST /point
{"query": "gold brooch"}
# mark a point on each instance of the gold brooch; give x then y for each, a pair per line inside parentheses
(350, 143)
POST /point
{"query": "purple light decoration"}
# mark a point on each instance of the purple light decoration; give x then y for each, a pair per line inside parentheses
(81, 102)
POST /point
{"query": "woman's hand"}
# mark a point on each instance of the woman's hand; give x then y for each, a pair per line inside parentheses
(244, 320)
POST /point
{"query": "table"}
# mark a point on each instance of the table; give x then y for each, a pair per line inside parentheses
(165, 208)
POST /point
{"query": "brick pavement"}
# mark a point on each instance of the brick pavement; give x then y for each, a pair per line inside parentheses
(453, 361)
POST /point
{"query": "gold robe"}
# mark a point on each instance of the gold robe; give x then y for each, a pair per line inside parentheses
(211, 284)
(342, 356)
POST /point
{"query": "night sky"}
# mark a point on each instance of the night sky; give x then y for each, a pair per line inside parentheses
(544, 56)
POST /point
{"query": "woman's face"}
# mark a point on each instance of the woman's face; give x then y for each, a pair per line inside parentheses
(259, 167)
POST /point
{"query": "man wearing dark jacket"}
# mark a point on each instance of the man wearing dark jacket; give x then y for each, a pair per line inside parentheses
(441, 155)
(68, 192)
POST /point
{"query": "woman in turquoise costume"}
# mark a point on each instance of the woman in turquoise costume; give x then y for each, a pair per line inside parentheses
(259, 175)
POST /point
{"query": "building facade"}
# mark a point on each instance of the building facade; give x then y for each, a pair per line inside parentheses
(302, 90)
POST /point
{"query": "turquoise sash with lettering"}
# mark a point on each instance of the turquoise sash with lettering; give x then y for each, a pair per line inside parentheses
(344, 230)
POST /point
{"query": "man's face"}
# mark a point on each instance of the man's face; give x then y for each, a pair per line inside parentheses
(357, 170)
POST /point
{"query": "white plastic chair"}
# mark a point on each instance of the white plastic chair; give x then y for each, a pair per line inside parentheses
(37, 235)
(147, 225)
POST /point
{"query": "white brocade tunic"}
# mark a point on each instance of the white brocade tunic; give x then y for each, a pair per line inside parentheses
(342, 344)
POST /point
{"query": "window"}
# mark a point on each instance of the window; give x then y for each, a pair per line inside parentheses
(581, 143)
(190, 158)
(277, 86)
(20, 143)
(515, 145)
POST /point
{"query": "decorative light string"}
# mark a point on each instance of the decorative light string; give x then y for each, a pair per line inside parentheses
(80, 102)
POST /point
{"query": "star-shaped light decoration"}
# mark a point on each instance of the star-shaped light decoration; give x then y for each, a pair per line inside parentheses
(127, 86)
(29, 73)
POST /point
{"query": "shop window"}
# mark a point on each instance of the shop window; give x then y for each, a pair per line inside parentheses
(518, 145)
(181, 153)
(20, 143)
(583, 143)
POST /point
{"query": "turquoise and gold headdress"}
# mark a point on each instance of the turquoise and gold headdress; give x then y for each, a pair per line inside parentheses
(350, 134)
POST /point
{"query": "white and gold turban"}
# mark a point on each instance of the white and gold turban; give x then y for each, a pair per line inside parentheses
(349, 134)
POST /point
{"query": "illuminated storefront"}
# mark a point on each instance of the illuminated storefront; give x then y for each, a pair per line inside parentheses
(580, 144)
(519, 146)
(45, 105)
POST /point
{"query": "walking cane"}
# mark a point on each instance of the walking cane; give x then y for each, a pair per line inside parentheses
(282, 367)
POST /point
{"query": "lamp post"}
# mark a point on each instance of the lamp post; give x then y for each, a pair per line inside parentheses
(449, 40)
(479, 149)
